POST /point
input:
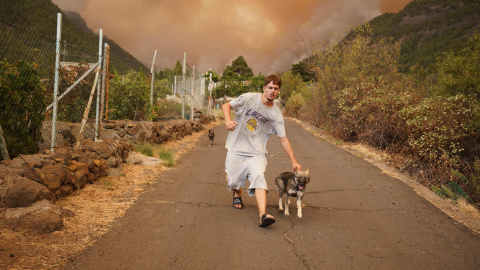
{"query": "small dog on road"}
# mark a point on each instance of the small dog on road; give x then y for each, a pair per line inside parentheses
(293, 185)
(211, 136)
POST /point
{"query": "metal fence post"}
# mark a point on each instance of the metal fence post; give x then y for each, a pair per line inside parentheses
(192, 95)
(102, 94)
(152, 71)
(174, 86)
(108, 80)
(183, 83)
(97, 107)
(55, 86)
(210, 103)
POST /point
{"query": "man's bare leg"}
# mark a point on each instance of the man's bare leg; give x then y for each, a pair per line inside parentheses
(261, 197)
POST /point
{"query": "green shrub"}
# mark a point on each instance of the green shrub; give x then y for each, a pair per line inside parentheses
(369, 111)
(474, 180)
(71, 107)
(460, 71)
(145, 148)
(441, 128)
(291, 84)
(294, 104)
(167, 109)
(21, 107)
(129, 96)
(167, 156)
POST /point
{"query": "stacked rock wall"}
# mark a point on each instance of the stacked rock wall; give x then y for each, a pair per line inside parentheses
(30, 180)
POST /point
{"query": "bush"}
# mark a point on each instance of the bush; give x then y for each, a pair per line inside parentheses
(21, 107)
(169, 109)
(291, 83)
(369, 111)
(71, 107)
(460, 71)
(294, 104)
(129, 96)
(442, 128)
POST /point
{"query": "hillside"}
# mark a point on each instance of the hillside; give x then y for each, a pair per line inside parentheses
(79, 21)
(40, 17)
(427, 28)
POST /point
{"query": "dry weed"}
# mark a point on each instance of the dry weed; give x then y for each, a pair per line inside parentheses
(468, 208)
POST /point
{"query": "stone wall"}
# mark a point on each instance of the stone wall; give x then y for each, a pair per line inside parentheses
(32, 180)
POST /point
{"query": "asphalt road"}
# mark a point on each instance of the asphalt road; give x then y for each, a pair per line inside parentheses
(356, 217)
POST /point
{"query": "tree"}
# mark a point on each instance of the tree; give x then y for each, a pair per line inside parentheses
(178, 70)
(256, 83)
(291, 83)
(460, 71)
(215, 76)
(240, 67)
(303, 70)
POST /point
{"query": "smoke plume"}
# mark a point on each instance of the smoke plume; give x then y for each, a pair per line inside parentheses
(270, 34)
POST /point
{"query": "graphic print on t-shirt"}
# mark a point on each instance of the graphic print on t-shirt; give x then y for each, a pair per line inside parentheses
(254, 121)
(252, 125)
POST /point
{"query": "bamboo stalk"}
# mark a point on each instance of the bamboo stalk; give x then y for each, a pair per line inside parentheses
(87, 109)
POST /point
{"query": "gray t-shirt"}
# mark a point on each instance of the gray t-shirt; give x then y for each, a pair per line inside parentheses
(255, 124)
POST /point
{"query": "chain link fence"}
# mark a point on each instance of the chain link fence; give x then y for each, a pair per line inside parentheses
(93, 84)
(191, 88)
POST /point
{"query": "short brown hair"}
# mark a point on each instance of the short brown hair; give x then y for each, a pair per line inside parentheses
(274, 79)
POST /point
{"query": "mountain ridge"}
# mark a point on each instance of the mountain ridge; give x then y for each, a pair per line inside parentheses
(428, 28)
(40, 17)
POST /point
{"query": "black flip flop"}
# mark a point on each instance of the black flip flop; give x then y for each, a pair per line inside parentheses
(266, 221)
(237, 200)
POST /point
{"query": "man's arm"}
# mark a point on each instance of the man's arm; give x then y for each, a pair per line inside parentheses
(288, 149)
(227, 110)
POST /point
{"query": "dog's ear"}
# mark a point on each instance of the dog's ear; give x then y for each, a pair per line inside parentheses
(295, 170)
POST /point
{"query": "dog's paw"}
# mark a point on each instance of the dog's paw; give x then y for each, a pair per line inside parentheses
(286, 213)
(299, 216)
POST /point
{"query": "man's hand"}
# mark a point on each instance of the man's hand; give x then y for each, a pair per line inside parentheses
(297, 166)
(231, 125)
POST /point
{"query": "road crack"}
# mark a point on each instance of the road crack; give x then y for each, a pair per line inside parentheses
(292, 243)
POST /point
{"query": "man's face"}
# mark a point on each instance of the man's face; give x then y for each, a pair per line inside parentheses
(271, 91)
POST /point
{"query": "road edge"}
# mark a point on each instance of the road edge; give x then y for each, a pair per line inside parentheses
(449, 208)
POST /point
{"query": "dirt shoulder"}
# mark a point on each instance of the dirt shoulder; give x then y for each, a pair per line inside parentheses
(89, 212)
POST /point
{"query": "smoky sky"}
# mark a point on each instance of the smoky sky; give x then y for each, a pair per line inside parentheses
(270, 34)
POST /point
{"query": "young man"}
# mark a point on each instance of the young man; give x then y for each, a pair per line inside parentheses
(256, 117)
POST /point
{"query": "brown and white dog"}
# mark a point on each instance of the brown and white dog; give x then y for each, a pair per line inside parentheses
(293, 185)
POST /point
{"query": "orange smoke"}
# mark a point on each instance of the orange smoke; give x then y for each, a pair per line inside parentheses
(270, 34)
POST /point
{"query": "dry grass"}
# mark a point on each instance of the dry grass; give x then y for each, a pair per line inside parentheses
(94, 209)
(468, 208)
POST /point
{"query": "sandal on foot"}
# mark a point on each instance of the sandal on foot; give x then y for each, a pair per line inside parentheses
(237, 200)
(266, 221)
